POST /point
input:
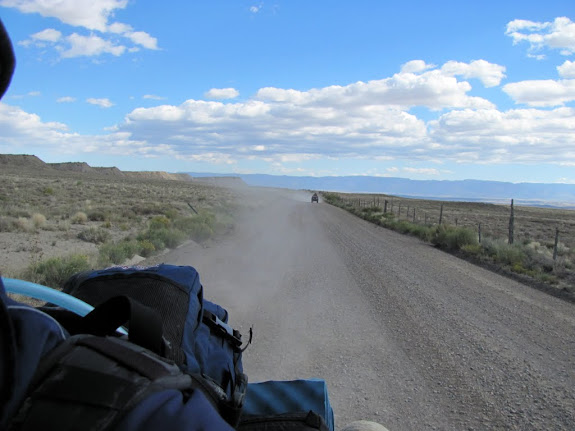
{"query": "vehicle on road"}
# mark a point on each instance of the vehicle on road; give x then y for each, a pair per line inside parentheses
(314, 198)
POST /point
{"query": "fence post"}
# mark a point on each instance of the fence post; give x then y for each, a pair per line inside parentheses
(399, 212)
(511, 223)
(479, 232)
(441, 214)
(413, 215)
(385, 207)
(426, 219)
(556, 244)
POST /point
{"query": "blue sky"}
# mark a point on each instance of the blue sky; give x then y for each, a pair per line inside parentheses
(441, 90)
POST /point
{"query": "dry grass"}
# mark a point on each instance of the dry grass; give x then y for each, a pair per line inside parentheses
(46, 215)
(531, 254)
(531, 223)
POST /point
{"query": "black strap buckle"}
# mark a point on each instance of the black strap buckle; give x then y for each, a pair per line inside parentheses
(230, 334)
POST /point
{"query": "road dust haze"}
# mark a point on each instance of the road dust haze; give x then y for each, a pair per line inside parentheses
(404, 334)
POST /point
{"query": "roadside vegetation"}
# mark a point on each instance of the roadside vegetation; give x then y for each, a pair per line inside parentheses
(533, 255)
(54, 226)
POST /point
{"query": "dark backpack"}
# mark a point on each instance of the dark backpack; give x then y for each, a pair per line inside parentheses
(177, 340)
(197, 335)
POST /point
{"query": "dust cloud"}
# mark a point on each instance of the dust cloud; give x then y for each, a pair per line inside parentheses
(253, 270)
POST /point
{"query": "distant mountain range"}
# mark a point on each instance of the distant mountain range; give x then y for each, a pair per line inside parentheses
(556, 195)
(470, 190)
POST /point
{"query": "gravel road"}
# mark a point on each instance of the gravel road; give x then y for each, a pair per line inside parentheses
(404, 334)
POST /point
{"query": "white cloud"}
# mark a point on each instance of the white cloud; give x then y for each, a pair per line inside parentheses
(362, 121)
(66, 99)
(119, 28)
(256, 9)
(42, 38)
(521, 24)
(48, 35)
(542, 92)
(559, 34)
(567, 69)
(416, 66)
(143, 39)
(433, 89)
(91, 14)
(222, 93)
(104, 103)
(29, 94)
(515, 136)
(488, 73)
(89, 46)
(152, 97)
(17, 127)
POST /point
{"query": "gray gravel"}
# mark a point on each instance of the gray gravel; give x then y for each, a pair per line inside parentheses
(404, 334)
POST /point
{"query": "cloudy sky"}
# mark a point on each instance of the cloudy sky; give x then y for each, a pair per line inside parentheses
(419, 89)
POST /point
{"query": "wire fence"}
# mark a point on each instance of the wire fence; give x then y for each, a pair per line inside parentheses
(551, 227)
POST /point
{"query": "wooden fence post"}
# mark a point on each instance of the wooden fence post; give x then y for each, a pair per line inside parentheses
(479, 232)
(413, 215)
(556, 244)
(385, 207)
(511, 223)
(441, 214)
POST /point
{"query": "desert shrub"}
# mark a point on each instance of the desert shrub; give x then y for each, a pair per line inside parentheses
(38, 220)
(502, 252)
(48, 191)
(171, 213)
(53, 272)
(539, 256)
(453, 238)
(98, 215)
(117, 252)
(423, 232)
(333, 198)
(24, 224)
(64, 226)
(198, 227)
(160, 222)
(79, 218)
(472, 249)
(370, 210)
(403, 226)
(163, 237)
(17, 212)
(95, 235)
(146, 208)
(7, 224)
(146, 248)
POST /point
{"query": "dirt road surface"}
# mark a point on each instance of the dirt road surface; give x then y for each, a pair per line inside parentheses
(404, 334)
